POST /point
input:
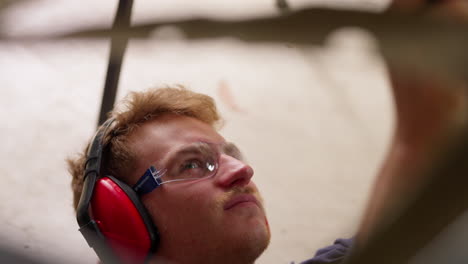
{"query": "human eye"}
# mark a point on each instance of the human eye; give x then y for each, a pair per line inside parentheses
(191, 168)
(190, 164)
(193, 162)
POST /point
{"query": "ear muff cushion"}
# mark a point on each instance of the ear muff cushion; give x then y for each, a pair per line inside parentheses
(123, 220)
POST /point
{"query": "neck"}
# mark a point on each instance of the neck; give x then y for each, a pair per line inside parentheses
(216, 258)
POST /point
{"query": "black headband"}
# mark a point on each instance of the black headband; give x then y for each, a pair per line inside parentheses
(88, 227)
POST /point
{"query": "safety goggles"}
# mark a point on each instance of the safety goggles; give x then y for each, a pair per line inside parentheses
(193, 161)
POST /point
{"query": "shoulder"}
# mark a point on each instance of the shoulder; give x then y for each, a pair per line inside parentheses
(332, 254)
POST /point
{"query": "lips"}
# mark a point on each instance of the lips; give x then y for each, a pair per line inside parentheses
(240, 199)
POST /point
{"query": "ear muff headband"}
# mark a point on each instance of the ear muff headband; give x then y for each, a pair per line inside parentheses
(110, 214)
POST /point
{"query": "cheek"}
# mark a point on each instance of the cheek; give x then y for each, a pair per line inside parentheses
(176, 207)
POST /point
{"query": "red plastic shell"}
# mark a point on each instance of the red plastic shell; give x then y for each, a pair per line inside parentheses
(120, 222)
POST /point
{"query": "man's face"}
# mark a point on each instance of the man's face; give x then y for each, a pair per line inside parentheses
(209, 218)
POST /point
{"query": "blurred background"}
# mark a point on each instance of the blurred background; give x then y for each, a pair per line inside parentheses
(314, 121)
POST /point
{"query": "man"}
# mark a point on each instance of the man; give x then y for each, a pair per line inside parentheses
(207, 209)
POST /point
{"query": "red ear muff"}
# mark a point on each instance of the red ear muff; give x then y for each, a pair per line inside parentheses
(110, 214)
(123, 220)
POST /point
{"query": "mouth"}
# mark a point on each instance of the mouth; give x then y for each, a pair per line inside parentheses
(241, 199)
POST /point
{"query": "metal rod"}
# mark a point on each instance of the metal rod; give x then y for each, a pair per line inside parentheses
(117, 51)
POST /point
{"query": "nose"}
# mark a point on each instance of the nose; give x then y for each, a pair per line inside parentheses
(233, 172)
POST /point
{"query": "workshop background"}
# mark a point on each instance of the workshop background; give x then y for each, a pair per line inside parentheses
(314, 121)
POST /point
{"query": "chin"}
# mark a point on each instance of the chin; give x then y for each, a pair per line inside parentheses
(253, 241)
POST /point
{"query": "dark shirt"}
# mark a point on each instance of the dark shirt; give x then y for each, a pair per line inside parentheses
(332, 254)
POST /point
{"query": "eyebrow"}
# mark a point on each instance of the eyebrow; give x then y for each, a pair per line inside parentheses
(227, 148)
(192, 148)
(231, 148)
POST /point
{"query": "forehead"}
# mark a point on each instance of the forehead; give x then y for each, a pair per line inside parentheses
(152, 140)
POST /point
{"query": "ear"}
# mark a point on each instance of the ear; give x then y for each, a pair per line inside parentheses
(123, 220)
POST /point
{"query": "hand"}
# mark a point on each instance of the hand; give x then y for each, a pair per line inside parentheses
(429, 109)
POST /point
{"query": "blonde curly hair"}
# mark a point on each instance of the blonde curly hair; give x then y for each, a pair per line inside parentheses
(135, 109)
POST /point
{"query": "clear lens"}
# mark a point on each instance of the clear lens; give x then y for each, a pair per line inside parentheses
(198, 160)
(193, 161)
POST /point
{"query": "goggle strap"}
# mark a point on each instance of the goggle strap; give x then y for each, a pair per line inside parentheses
(150, 180)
